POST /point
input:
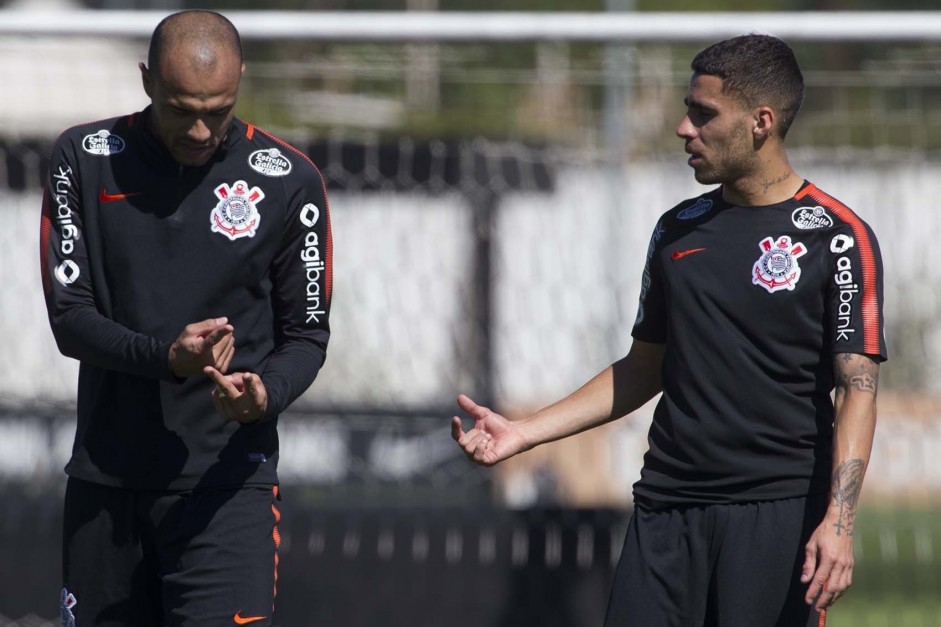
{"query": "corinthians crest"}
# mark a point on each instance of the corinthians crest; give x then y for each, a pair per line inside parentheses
(236, 215)
(777, 267)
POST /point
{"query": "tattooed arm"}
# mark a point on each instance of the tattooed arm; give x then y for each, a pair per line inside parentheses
(829, 553)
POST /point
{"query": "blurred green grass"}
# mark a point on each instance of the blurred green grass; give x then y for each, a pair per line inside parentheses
(858, 612)
(897, 578)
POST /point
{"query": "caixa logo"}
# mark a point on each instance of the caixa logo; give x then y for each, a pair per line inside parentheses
(103, 144)
(313, 263)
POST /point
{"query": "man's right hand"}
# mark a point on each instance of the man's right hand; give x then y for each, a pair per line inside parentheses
(492, 439)
(207, 343)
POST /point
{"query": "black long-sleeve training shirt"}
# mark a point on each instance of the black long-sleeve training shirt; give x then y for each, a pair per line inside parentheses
(134, 247)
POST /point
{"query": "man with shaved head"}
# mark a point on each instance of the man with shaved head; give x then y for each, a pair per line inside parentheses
(195, 62)
(187, 264)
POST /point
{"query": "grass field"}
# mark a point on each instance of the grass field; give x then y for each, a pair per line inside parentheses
(897, 580)
(856, 612)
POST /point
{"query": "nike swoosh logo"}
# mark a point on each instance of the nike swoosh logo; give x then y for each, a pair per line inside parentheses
(679, 254)
(104, 196)
(244, 620)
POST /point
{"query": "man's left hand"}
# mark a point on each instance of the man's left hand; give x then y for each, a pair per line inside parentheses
(828, 564)
(239, 396)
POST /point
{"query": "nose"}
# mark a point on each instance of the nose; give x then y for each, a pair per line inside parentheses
(199, 131)
(685, 130)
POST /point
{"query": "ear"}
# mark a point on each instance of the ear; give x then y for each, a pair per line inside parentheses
(243, 69)
(147, 80)
(763, 119)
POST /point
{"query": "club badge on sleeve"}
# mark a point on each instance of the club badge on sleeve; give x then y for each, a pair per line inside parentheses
(777, 268)
(236, 214)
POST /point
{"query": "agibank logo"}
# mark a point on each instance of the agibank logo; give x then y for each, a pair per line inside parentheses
(777, 267)
(236, 215)
(846, 284)
(314, 265)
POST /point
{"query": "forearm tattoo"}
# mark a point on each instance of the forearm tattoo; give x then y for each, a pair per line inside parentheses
(847, 483)
(856, 371)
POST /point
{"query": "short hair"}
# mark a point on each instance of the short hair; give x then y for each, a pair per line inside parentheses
(758, 69)
(206, 29)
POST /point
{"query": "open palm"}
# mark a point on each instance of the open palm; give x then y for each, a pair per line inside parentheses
(492, 439)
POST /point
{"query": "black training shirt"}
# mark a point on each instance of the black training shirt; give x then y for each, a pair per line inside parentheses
(752, 303)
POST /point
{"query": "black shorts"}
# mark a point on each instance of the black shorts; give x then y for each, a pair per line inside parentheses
(716, 566)
(152, 559)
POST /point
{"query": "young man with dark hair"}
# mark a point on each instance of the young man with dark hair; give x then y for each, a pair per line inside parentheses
(758, 299)
(186, 262)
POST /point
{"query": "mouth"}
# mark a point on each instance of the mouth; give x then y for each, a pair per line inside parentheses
(196, 152)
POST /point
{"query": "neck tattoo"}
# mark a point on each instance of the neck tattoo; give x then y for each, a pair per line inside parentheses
(767, 183)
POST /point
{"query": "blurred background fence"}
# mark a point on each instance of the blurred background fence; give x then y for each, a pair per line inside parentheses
(492, 198)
